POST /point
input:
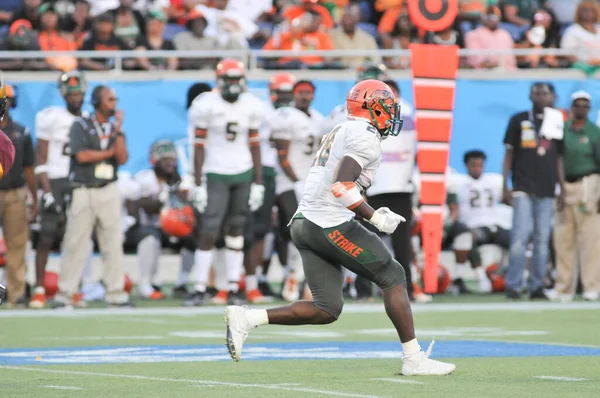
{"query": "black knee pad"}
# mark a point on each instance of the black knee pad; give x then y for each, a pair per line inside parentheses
(390, 276)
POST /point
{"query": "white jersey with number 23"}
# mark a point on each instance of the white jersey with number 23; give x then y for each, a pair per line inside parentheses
(357, 139)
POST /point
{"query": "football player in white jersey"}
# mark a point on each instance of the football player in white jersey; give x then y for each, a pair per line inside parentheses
(52, 126)
(479, 198)
(328, 236)
(297, 131)
(146, 236)
(223, 126)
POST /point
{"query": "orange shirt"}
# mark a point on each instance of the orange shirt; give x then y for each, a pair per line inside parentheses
(294, 12)
(305, 41)
(388, 20)
(53, 41)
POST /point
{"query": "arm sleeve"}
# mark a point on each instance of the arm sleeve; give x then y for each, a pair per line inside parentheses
(281, 125)
(364, 148)
(77, 140)
(43, 125)
(512, 138)
(29, 154)
(199, 114)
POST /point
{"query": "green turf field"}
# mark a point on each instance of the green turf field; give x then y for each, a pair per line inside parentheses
(501, 350)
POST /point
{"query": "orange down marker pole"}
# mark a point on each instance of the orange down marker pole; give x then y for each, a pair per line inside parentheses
(434, 70)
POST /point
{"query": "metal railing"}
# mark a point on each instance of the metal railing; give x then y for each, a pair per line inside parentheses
(251, 57)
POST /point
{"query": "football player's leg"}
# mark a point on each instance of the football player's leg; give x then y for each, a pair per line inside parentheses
(543, 211)
(364, 252)
(209, 228)
(519, 239)
(148, 245)
(288, 204)
(462, 243)
(16, 234)
(187, 262)
(233, 230)
(481, 236)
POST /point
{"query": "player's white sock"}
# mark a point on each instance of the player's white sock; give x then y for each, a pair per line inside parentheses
(411, 347)
(148, 251)
(234, 260)
(220, 268)
(259, 274)
(251, 283)
(294, 259)
(481, 275)
(187, 262)
(257, 317)
(203, 261)
(459, 270)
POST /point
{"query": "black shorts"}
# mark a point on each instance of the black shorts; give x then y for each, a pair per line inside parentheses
(227, 207)
(491, 235)
(260, 222)
(287, 204)
(325, 251)
(137, 233)
(50, 221)
(451, 233)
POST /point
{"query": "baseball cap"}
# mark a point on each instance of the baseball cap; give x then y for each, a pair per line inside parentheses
(46, 7)
(581, 95)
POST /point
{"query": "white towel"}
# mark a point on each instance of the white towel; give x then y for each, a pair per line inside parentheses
(553, 124)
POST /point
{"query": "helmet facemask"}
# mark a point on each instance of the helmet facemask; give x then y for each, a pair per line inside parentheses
(393, 125)
(231, 87)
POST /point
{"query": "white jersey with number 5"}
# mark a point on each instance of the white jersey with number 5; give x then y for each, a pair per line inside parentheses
(227, 126)
(53, 124)
(304, 133)
(479, 200)
(357, 139)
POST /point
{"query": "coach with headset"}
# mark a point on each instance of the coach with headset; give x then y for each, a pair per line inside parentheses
(98, 148)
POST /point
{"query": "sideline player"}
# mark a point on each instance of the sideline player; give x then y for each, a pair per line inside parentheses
(479, 197)
(52, 126)
(328, 237)
(223, 128)
(297, 131)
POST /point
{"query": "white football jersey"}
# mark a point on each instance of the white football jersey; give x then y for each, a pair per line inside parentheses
(227, 149)
(268, 152)
(304, 133)
(479, 200)
(130, 190)
(53, 124)
(150, 186)
(357, 139)
(339, 114)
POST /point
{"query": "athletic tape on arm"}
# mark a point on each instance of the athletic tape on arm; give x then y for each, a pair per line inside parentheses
(347, 193)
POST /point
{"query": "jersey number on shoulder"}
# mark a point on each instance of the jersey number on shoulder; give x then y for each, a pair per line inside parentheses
(310, 145)
(66, 149)
(323, 154)
(231, 131)
(476, 199)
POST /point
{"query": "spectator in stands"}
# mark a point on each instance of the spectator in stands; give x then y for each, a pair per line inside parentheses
(21, 38)
(304, 34)
(544, 33)
(535, 162)
(565, 10)
(397, 31)
(7, 9)
(295, 11)
(130, 26)
(50, 39)
(30, 13)
(225, 24)
(473, 10)
(577, 226)
(179, 9)
(102, 39)
(79, 22)
(450, 36)
(490, 36)
(519, 12)
(155, 27)
(583, 37)
(349, 37)
(194, 39)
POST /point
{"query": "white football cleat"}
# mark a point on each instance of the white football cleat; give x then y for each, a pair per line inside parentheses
(238, 328)
(290, 290)
(485, 285)
(420, 365)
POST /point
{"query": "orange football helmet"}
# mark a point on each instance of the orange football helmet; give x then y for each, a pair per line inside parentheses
(496, 276)
(374, 100)
(281, 87)
(178, 222)
(231, 79)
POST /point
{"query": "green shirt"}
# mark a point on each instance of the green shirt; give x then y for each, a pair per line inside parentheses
(580, 148)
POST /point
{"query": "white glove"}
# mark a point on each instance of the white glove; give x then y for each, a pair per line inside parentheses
(200, 198)
(257, 196)
(386, 220)
(163, 196)
(299, 189)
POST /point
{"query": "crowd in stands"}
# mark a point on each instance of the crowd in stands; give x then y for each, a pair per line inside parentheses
(214, 25)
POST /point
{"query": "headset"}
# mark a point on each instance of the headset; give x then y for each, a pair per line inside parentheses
(96, 95)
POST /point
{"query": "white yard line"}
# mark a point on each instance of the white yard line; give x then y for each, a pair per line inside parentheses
(348, 309)
(190, 381)
(99, 338)
(62, 387)
(560, 378)
(399, 380)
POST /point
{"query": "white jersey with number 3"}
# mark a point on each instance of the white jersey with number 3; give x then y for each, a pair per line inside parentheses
(479, 200)
(357, 139)
(53, 124)
(227, 124)
(304, 133)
